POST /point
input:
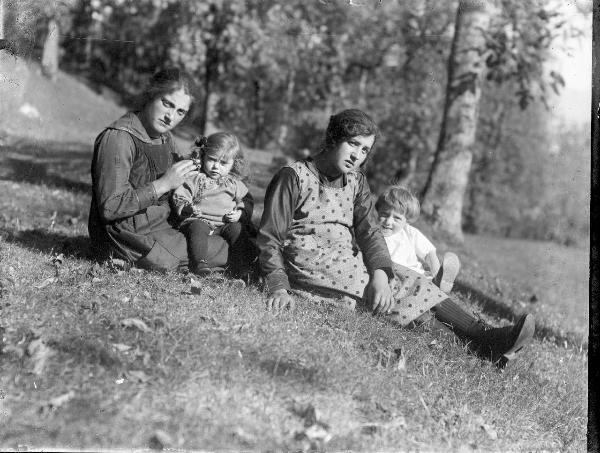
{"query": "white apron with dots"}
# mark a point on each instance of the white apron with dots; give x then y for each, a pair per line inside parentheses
(321, 255)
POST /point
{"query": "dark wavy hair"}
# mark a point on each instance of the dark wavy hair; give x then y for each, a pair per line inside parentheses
(223, 144)
(347, 124)
(167, 81)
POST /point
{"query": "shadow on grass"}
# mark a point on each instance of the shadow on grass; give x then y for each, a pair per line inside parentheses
(497, 307)
(51, 242)
(54, 164)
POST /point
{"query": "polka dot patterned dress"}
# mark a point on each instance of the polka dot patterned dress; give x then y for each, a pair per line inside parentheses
(320, 253)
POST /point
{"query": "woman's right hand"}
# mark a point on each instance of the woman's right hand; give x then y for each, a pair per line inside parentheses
(175, 176)
(280, 300)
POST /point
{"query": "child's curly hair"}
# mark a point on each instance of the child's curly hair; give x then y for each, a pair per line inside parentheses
(401, 199)
(225, 145)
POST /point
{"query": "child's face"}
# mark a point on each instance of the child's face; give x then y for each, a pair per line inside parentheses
(216, 166)
(391, 221)
(165, 112)
(350, 155)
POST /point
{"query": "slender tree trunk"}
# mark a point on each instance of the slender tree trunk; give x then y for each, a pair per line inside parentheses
(285, 112)
(50, 52)
(362, 88)
(208, 102)
(257, 112)
(1, 19)
(449, 175)
(404, 175)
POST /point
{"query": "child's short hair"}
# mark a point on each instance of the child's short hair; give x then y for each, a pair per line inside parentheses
(224, 144)
(401, 199)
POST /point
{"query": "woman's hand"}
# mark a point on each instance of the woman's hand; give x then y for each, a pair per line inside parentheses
(378, 293)
(175, 176)
(233, 216)
(279, 300)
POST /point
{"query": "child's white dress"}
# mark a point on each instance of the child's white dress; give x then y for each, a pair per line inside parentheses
(409, 247)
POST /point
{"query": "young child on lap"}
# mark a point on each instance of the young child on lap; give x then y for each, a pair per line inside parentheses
(215, 201)
(397, 207)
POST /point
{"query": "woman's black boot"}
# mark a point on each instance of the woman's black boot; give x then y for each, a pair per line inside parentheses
(498, 344)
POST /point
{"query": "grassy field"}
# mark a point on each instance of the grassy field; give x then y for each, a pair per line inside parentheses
(96, 356)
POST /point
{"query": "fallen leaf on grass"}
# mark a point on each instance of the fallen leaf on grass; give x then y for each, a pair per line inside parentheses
(315, 437)
(135, 323)
(401, 365)
(316, 433)
(196, 286)
(138, 375)
(491, 432)
(56, 402)
(160, 440)
(435, 345)
(38, 354)
(96, 280)
(119, 264)
(46, 282)
(210, 320)
(306, 412)
(121, 347)
(375, 427)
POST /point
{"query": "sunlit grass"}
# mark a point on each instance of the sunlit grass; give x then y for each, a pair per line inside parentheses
(211, 369)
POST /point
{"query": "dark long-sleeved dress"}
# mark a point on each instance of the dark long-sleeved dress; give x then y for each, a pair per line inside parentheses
(127, 219)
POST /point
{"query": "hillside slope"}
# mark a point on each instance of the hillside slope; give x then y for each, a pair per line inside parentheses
(35, 108)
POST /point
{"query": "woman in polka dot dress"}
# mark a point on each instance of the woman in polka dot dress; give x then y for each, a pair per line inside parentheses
(319, 233)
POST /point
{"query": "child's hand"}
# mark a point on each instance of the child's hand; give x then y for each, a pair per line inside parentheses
(280, 300)
(378, 293)
(233, 216)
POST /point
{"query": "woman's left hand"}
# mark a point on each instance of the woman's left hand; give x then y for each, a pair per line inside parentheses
(378, 293)
(233, 216)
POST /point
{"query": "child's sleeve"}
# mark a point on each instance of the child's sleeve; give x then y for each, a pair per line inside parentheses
(366, 229)
(423, 246)
(281, 199)
(182, 199)
(244, 202)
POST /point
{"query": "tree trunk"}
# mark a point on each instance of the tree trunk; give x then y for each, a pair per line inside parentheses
(285, 112)
(1, 19)
(211, 72)
(50, 52)
(447, 181)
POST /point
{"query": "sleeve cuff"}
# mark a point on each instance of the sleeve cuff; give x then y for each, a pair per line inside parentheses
(147, 196)
(277, 280)
(383, 264)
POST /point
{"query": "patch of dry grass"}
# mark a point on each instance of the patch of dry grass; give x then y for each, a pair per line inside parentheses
(97, 357)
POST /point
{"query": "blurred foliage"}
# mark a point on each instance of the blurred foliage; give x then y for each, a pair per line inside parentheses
(273, 72)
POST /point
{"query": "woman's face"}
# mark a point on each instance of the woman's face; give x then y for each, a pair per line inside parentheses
(350, 154)
(165, 112)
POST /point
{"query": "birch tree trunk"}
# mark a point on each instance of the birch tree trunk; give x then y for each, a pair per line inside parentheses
(50, 52)
(449, 175)
(1, 19)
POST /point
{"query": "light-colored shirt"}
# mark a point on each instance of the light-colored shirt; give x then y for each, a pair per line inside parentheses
(409, 247)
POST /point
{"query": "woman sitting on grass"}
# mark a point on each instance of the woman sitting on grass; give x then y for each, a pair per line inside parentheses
(133, 172)
(319, 233)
